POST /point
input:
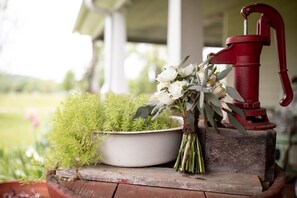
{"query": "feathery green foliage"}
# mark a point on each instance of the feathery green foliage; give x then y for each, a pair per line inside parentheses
(120, 109)
(73, 125)
(75, 121)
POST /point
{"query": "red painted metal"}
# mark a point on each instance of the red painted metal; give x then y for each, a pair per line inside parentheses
(244, 52)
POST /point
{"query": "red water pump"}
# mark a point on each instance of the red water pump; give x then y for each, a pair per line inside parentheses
(244, 52)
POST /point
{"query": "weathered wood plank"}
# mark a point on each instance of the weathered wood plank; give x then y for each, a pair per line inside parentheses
(90, 189)
(216, 195)
(233, 183)
(134, 191)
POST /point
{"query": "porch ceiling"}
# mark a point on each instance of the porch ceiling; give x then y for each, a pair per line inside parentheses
(147, 20)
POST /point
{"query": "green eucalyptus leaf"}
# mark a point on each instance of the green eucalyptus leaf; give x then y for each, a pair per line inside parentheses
(196, 88)
(142, 112)
(224, 73)
(236, 109)
(188, 106)
(209, 114)
(156, 108)
(217, 109)
(213, 99)
(205, 119)
(218, 118)
(205, 77)
(212, 69)
(153, 103)
(201, 99)
(183, 61)
(158, 112)
(234, 93)
(205, 62)
(234, 122)
(200, 110)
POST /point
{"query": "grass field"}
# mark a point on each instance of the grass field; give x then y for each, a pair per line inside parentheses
(15, 129)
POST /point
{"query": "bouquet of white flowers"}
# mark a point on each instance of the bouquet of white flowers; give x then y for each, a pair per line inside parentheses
(192, 91)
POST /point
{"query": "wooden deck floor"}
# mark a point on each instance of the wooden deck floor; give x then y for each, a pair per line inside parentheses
(122, 187)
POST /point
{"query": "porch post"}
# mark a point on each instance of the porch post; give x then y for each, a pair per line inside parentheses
(185, 31)
(114, 42)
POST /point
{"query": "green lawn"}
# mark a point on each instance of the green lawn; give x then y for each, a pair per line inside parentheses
(15, 130)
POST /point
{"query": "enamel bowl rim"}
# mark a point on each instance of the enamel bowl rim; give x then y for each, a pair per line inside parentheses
(179, 118)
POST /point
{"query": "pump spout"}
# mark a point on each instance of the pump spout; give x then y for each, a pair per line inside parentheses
(225, 56)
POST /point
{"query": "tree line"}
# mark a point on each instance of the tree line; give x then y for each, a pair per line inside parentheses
(17, 83)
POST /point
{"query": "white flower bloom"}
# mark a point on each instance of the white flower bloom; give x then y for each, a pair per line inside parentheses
(176, 89)
(165, 98)
(167, 75)
(160, 86)
(184, 72)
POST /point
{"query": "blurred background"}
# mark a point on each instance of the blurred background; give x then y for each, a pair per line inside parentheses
(52, 48)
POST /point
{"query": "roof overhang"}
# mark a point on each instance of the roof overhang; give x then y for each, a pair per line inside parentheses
(147, 20)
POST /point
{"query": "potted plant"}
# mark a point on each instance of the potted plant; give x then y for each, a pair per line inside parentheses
(19, 171)
(88, 129)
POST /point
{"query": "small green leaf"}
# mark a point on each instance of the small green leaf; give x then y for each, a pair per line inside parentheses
(175, 108)
(209, 114)
(142, 112)
(236, 109)
(183, 61)
(234, 93)
(235, 122)
(224, 73)
(217, 109)
(213, 99)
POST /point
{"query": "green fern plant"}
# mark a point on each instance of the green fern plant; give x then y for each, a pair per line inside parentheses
(80, 115)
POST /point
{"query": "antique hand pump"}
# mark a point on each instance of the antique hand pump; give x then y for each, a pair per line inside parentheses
(244, 52)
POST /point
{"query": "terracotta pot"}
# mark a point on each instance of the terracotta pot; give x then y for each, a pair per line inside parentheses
(14, 188)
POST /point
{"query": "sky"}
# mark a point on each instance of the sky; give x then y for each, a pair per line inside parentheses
(39, 39)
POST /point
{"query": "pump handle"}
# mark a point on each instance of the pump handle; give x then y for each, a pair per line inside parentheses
(272, 18)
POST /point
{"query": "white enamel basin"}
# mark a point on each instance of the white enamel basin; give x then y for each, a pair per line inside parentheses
(141, 148)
